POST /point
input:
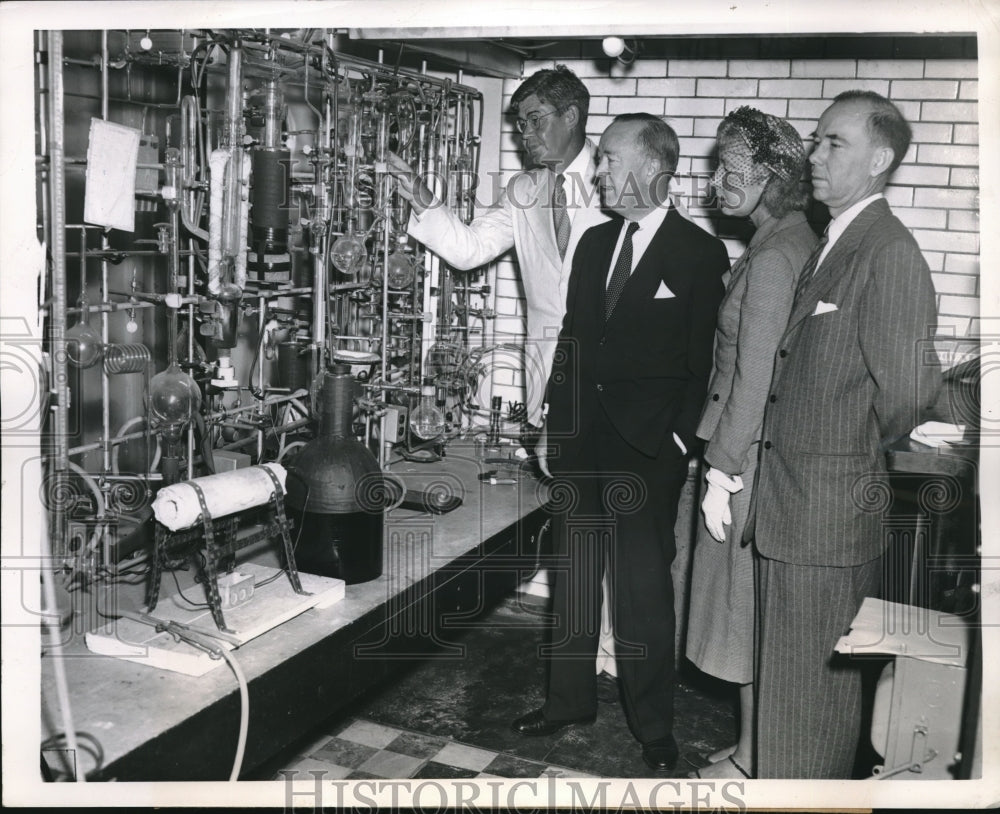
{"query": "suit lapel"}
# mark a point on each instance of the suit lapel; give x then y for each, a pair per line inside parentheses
(835, 264)
(652, 266)
(603, 267)
(584, 199)
(586, 286)
(538, 214)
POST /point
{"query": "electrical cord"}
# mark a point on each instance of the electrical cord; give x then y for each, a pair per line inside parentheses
(58, 663)
(305, 504)
(295, 545)
(215, 650)
(84, 742)
(180, 593)
(241, 742)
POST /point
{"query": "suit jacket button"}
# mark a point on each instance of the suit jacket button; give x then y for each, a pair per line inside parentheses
(600, 388)
(773, 398)
(767, 445)
(782, 353)
(715, 396)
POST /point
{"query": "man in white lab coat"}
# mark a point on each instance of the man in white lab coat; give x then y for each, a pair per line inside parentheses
(551, 109)
(541, 223)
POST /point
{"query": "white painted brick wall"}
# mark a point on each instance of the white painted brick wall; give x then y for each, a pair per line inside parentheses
(925, 132)
(697, 67)
(935, 192)
(880, 68)
(949, 112)
(831, 87)
(843, 68)
(665, 87)
(964, 177)
(760, 67)
(966, 134)
(925, 89)
(948, 68)
(949, 154)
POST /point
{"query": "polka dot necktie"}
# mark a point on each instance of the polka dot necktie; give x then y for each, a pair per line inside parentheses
(623, 269)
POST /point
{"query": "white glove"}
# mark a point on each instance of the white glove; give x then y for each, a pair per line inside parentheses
(541, 453)
(715, 507)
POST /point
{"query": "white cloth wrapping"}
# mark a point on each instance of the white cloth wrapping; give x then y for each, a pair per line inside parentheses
(177, 507)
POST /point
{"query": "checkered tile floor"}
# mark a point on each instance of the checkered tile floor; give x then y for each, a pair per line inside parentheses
(364, 749)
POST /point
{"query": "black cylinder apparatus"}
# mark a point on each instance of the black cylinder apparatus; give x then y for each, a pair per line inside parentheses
(293, 364)
(269, 259)
(336, 490)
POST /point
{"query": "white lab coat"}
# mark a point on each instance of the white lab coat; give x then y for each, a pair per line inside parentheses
(522, 218)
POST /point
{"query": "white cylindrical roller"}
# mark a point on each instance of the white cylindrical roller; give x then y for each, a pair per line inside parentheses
(177, 507)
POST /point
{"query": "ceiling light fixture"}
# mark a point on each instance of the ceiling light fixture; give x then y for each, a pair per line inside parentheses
(621, 49)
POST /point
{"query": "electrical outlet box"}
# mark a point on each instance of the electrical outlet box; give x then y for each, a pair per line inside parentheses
(229, 461)
(235, 589)
(394, 424)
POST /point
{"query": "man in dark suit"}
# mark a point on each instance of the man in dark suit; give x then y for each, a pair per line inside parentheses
(625, 394)
(851, 375)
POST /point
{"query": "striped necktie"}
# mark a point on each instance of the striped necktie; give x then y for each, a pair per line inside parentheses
(809, 269)
(560, 216)
(623, 270)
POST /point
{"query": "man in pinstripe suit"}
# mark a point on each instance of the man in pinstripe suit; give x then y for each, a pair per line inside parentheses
(849, 378)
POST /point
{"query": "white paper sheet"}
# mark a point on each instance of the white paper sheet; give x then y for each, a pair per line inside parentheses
(112, 155)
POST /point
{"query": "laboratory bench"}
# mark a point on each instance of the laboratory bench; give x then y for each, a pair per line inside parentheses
(440, 573)
(933, 524)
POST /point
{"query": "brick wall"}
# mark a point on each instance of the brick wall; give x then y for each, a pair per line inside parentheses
(934, 192)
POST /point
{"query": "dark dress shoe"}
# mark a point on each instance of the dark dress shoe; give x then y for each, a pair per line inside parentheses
(661, 754)
(535, 723)
(607, 688)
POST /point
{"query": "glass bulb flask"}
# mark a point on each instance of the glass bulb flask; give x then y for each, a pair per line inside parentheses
(174, 398)
(399, 266)
(427, 420)
(84, 347)
(400, 270)
(348, 253)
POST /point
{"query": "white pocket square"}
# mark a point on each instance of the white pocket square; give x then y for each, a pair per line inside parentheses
(824, 308)
(663, 293)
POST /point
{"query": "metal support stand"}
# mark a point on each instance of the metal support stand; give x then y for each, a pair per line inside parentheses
(171, 547)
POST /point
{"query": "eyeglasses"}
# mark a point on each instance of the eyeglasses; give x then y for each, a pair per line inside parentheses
(533, 120)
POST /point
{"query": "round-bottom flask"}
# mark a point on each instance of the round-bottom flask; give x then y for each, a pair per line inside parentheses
(336, 490)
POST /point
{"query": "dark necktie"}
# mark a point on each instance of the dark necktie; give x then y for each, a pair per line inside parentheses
(560, 217)
(809, 269)
(623, 269)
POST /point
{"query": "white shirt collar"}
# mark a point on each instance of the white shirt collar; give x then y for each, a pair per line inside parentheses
(653, 219)
(579, 179)
(648, 226)
(582, 163)
(840, 223)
